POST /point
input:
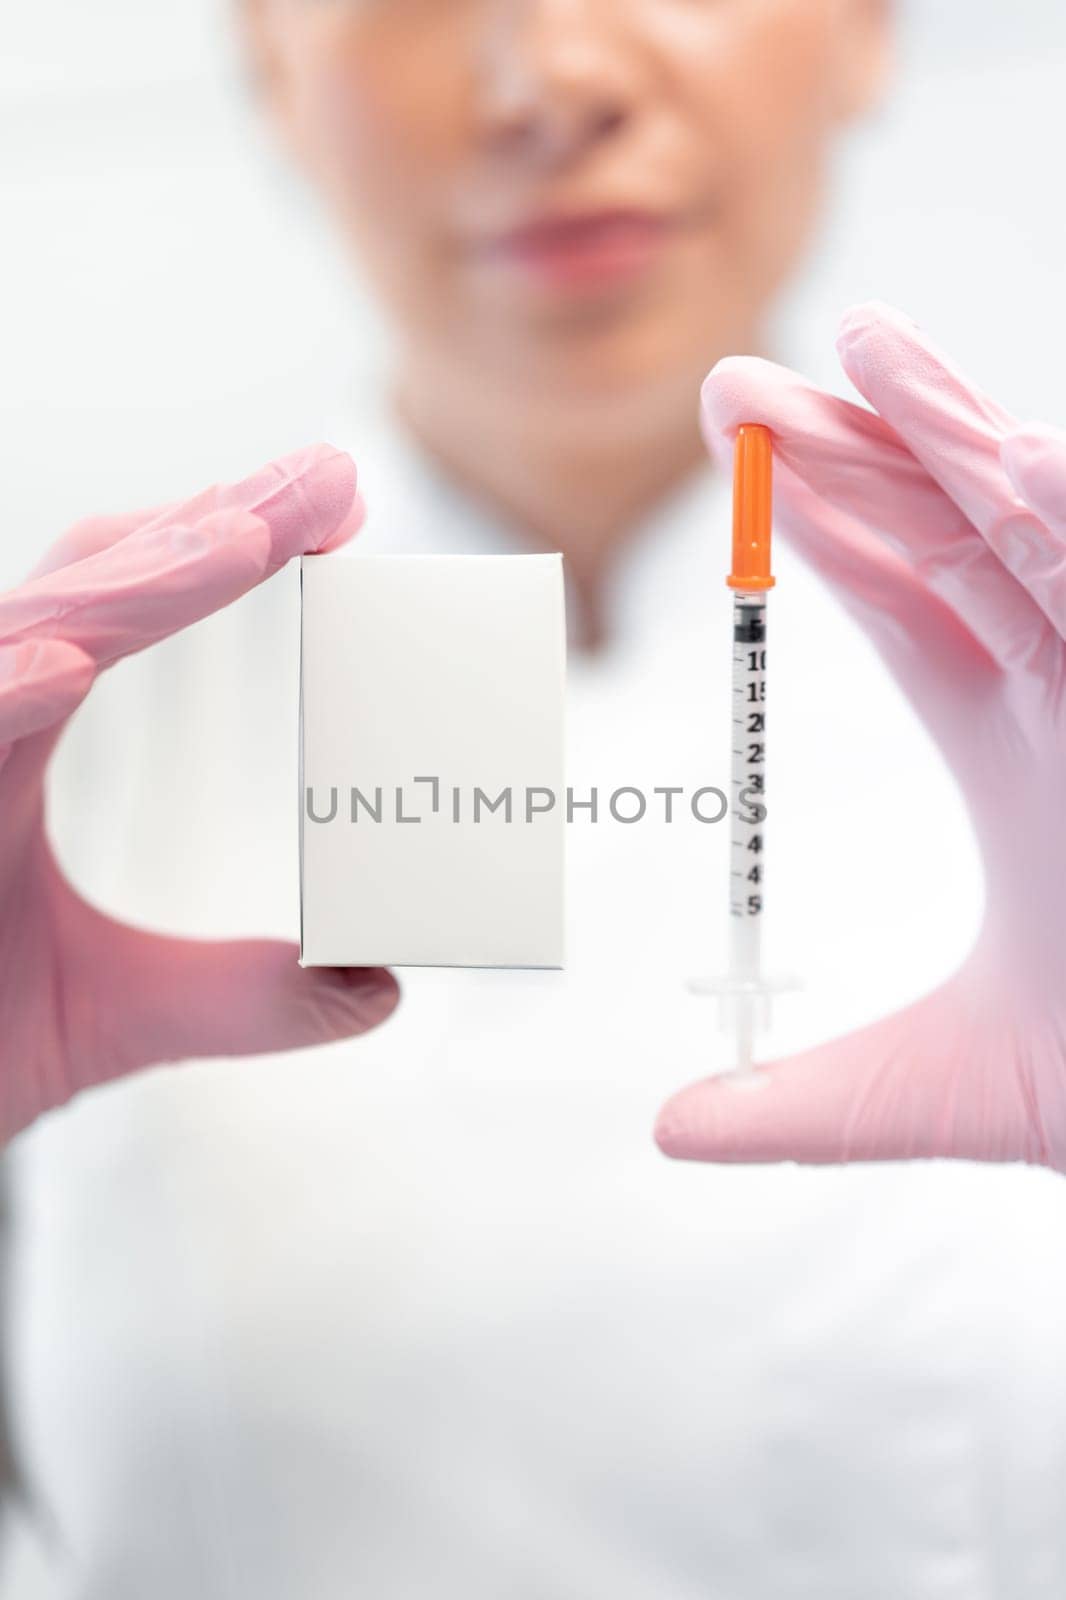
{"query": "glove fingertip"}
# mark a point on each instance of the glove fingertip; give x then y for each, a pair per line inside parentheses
(349, 527)
(314, 504)
(735, 391)
(708, 1121)
(871, 321)
(672, 1132)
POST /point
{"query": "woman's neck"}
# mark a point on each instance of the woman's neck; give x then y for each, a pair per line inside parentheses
(577, 478)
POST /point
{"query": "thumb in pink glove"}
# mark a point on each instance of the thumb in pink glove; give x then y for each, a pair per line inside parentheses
(85, 998)
(941, 525)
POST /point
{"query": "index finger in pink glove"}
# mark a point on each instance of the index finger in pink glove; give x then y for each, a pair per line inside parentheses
(845, 486)
(958, 434)
(977, 1068)
(89, 535)
(855, 462)
(189, 560)
(92, 534)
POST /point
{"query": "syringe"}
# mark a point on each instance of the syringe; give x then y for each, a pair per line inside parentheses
(744, 991)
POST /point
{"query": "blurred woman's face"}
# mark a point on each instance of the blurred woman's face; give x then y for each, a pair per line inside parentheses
(580, 194)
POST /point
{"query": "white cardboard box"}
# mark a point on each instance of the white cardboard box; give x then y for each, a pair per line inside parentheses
(432, 688)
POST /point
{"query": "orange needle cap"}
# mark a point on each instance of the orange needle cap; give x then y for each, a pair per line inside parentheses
(752, 508)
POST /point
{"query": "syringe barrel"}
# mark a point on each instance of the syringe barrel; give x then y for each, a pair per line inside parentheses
(748, 783)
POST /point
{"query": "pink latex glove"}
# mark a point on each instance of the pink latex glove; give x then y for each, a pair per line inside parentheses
(941, 525)
(85, 998)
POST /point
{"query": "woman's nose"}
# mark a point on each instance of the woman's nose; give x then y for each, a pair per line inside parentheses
(558, 77)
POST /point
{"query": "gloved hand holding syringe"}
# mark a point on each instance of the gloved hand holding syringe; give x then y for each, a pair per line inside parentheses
(938, 520)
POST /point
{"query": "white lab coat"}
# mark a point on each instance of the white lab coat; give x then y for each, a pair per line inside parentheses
(426, 1313)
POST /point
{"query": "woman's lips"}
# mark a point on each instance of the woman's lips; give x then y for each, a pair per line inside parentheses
(585, 250)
